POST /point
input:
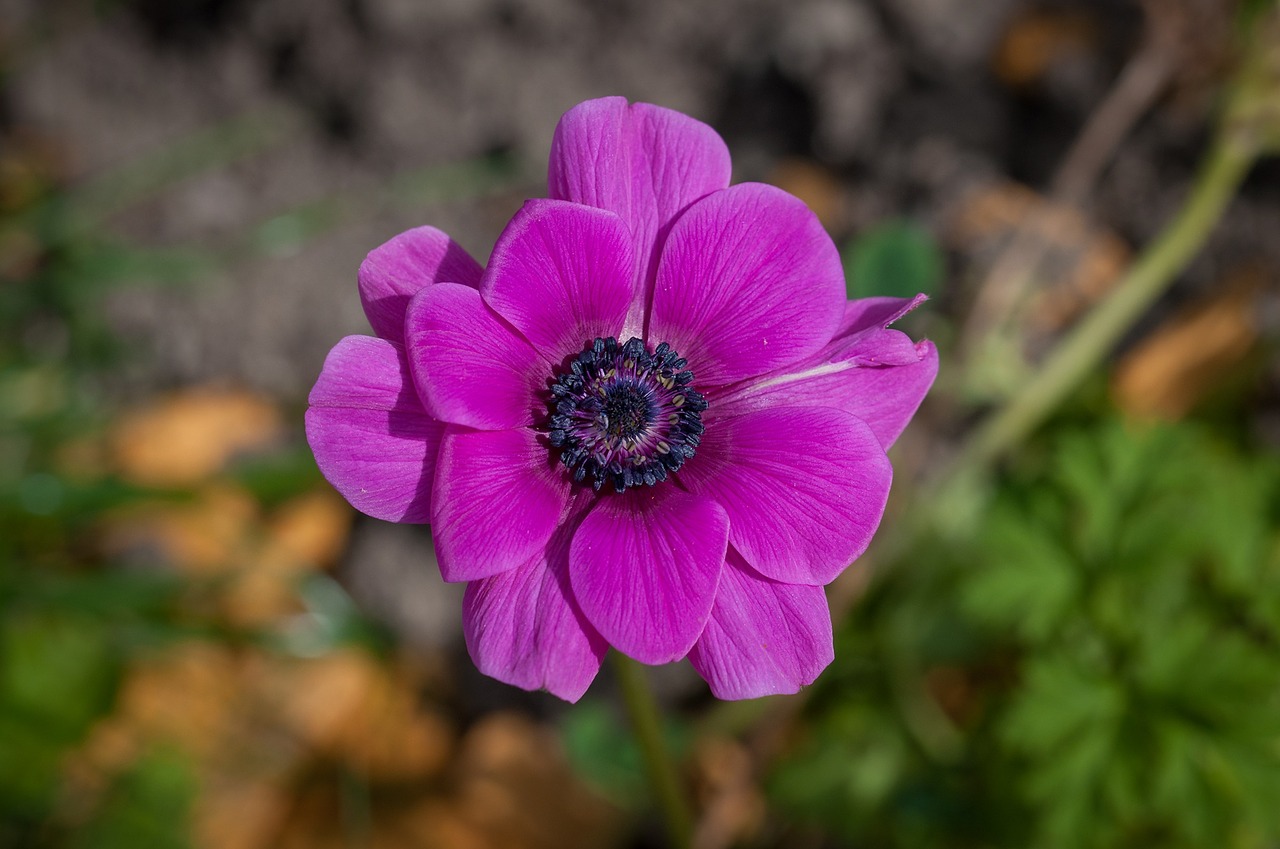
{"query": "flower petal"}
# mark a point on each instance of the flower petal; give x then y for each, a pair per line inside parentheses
(871, 313)
(499, 497)
(369, 433)
(885, 397)
(643, 162)
(748, 282)
(764, 638)
(804, 488)
(393, 273)
(524, 628)
(879, 348)
(864, 337)
(469, 366)
(561, 274)
(644, 566)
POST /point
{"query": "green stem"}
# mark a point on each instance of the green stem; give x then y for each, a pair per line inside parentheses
(1086, 346)
(643, 713)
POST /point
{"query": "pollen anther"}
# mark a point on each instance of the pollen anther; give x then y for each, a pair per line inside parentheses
(623, 415)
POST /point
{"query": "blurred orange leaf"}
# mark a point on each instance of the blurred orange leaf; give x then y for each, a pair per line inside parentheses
(187, 437)
(813, 184)
(1077, 261)
(1037, 39)
(311, 528)
(1182, 361)
(732, 804)
(207, 535)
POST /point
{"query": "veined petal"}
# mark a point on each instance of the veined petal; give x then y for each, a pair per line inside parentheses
(644, 565)
(394, 272)
(749, 282)
(864, 337)
(804, 488)
(561, 274)
(469, 366)
(370, 435)
(643, 162)
(764, 638)
(879, 348)
(875, 313)
(498, 498)
(883, 396)
(523, 627)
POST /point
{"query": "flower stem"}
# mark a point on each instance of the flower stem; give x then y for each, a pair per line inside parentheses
(1091, 340)
(642, 710)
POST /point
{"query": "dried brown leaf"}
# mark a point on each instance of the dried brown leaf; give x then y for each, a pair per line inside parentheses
(183, 439)
(732, 803)
(514, 783)
(350, 708)
(207, 535)
(1170, 371)
(1075, 262)
(1036, 40)
(813, 184)
(311, 529)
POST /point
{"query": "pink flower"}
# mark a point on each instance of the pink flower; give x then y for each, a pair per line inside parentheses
(593, 486)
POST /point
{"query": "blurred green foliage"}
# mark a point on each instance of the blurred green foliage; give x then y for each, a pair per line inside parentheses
(1093, 665)
(602, 750)
(72, 617)
(67, 624)
(895, 258)
(147, 806)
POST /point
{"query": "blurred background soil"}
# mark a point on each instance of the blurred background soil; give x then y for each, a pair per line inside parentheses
(208, 175)
(920, 108)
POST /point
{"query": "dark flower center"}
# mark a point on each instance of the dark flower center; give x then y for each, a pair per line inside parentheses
(624, 415)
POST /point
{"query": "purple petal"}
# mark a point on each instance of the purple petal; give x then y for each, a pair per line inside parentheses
(864, 337)
(469, 366)
(369, 433)
(749, 282)
(499, 497)
(524, 628)
(804, 488)
(869, 313)
(561, 274)
(644, 566)
(643, 162)
(884, 397)
(764, 638)
(887, 398)
(879, 348)
(393, 273)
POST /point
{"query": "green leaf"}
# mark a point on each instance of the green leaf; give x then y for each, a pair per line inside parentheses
(603, 752)
(1027, 582)
(148, 805)
(58, 668)
(1060, 706)
(896, 258)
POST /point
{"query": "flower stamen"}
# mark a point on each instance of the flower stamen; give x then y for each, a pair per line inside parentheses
(624, 415)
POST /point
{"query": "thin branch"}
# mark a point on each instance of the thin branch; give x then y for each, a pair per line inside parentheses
(1133, 94)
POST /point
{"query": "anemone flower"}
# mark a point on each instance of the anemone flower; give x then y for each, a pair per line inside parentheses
(652, 422)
